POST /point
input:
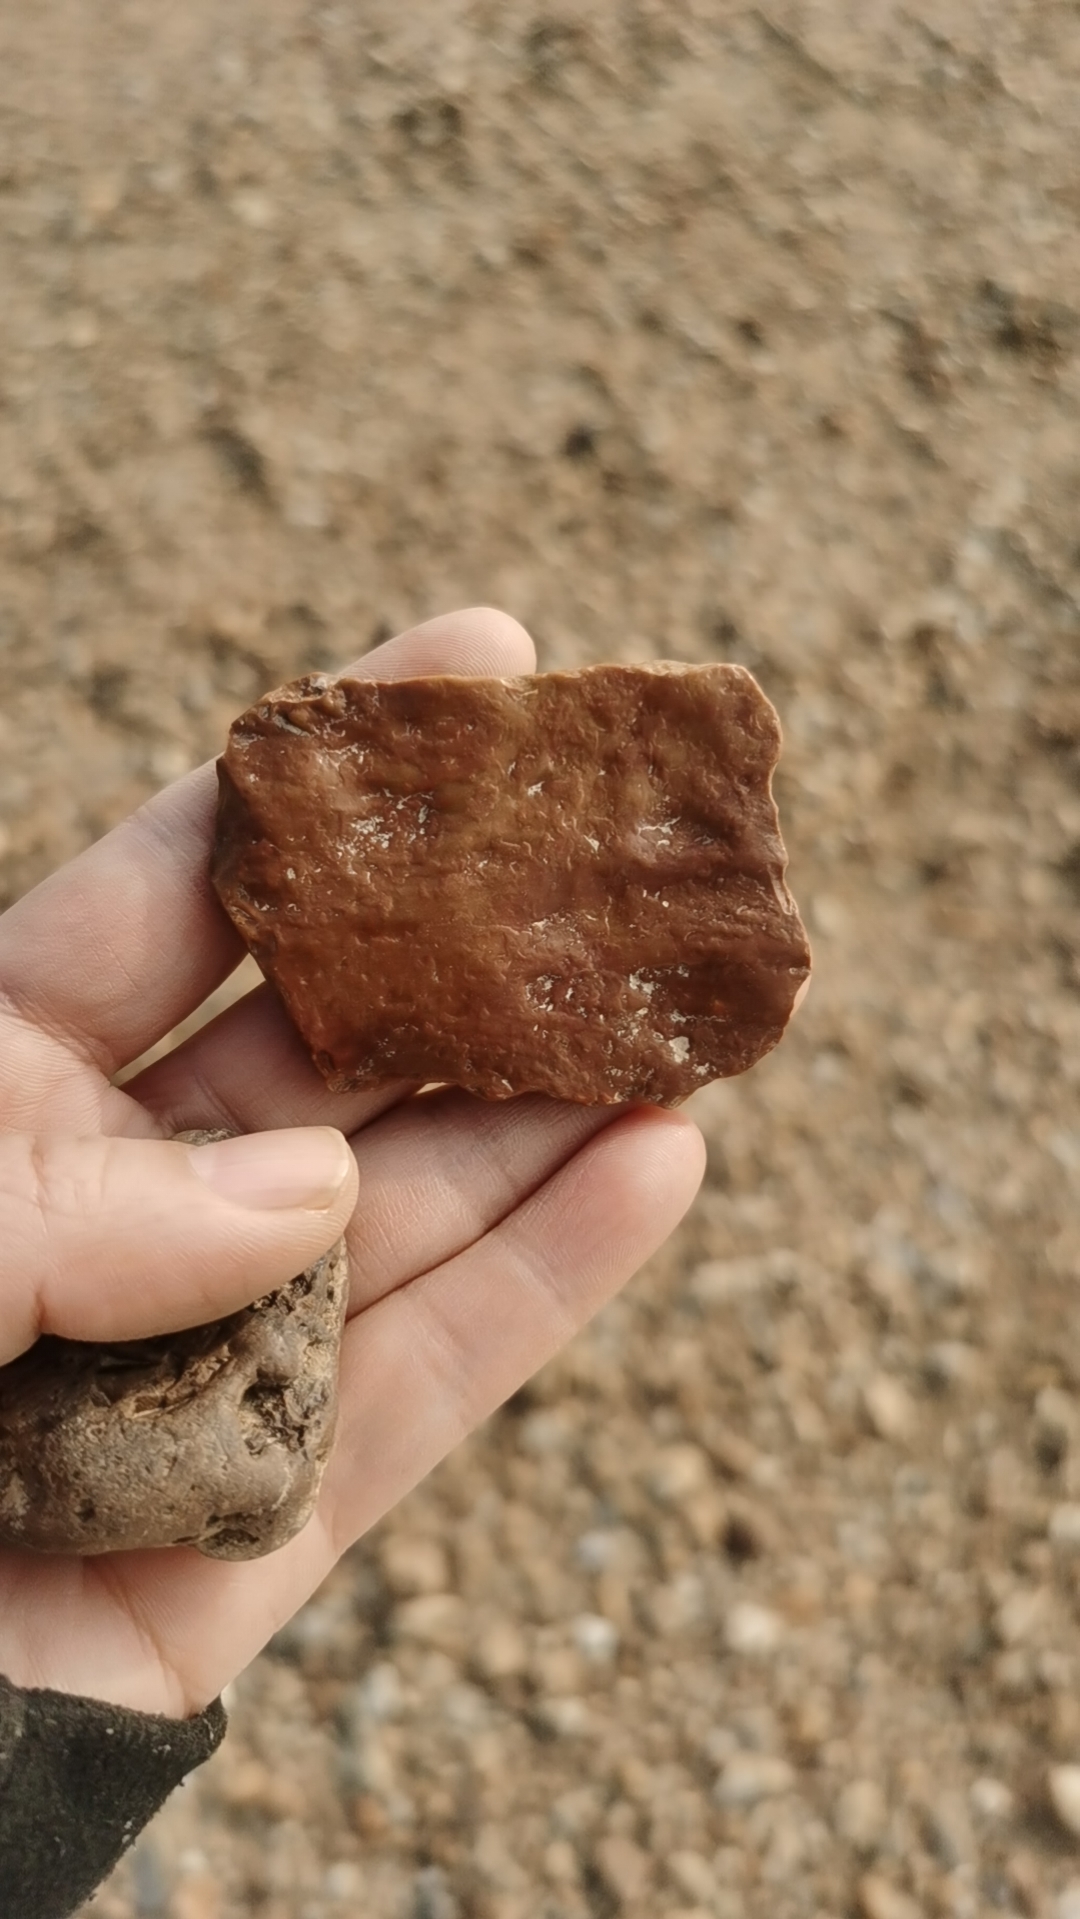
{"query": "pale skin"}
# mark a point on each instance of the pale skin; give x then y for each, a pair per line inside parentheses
(481, 1237)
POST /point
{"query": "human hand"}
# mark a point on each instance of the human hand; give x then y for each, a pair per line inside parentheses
(481, 1236)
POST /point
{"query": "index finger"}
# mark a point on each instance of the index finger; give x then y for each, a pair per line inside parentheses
(120, 945)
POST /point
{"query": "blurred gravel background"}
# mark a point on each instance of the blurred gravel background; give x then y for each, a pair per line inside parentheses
(676, 327)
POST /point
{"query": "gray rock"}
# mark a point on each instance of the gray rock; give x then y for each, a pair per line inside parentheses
(214, 1437)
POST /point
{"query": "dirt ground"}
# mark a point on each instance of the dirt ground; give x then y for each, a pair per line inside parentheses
(677, 327)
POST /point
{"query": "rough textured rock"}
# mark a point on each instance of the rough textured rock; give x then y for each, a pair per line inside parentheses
(571, 884)
(214, 1437)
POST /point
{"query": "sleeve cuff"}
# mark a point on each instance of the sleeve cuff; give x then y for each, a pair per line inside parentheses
(78, 1781)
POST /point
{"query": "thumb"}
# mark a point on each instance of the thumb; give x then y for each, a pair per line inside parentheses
(114, 1239)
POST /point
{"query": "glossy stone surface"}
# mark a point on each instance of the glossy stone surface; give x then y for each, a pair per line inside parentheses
(571, 883)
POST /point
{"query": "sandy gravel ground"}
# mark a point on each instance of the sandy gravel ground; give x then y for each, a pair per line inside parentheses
(676, 327)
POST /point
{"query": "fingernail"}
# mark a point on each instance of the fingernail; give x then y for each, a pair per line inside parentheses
(304, 1166)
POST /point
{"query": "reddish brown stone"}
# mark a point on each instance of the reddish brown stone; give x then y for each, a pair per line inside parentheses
(571, 884)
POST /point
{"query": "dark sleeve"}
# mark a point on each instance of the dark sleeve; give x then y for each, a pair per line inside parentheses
(78, 1781)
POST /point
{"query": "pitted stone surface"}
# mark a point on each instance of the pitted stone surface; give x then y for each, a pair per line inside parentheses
(214, 1437)
(570, 884)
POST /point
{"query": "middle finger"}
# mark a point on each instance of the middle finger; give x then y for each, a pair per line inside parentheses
(443, 1169)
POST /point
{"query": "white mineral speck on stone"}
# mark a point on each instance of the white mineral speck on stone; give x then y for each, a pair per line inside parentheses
(679, 1048)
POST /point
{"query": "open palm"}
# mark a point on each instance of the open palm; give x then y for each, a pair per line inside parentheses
(482, 1238)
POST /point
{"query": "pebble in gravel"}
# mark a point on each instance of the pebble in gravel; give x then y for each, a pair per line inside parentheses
(1063, 1785)
(991, 1800)
(880, 1900)
(753, 1630)
(623, 1867)
(861, 1813)
(748, 1777)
